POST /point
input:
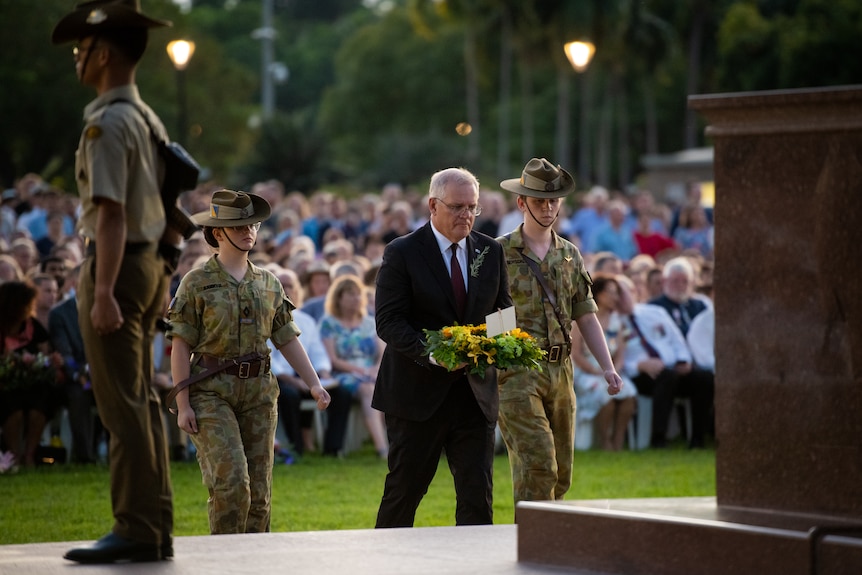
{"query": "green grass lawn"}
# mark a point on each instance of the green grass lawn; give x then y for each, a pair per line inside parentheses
(71, 502)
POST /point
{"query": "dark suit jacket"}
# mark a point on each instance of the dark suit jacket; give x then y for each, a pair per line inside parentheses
(65, 333)
(414, 292)
(682, 313)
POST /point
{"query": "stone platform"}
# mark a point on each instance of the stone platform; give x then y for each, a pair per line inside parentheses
(683, 536)
(422, 551)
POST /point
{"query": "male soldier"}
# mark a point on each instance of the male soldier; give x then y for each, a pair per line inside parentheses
(122, 282)
(550, 288)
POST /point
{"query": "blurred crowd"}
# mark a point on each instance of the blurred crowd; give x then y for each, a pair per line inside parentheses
(309, 243)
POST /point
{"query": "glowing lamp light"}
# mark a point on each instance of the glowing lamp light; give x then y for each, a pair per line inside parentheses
(180, 52)
(580, 54)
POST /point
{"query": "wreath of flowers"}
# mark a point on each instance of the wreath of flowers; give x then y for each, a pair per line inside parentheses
(459, 344)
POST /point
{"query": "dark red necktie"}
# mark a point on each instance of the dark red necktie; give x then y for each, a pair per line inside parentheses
(458, 281)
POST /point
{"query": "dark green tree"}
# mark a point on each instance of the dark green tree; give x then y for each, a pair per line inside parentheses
(394, 85)
(291, 150)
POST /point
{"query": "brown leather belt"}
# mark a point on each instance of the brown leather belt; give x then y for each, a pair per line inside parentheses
(240, 369)
(558, 353)
(250, 365)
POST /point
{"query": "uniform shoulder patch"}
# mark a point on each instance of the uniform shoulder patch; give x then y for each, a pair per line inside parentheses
(93, 133)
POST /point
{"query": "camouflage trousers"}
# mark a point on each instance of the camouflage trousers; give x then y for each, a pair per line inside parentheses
(236, 420)
(537, 418)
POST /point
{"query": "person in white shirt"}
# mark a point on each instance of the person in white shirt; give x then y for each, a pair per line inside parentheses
(659, 363)
(291, 389)
(701, 339)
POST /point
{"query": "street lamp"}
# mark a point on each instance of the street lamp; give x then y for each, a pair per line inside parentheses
(579, 54)
(180, 52)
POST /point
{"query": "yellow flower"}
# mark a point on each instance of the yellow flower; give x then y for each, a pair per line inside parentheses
(456, 345)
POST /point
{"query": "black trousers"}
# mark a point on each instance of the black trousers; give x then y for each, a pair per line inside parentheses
(294, 419)
(459, 427)
(697, 385)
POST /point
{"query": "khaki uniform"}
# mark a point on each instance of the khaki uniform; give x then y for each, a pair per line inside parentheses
(217, 315)
(537, 410)
(116, 159)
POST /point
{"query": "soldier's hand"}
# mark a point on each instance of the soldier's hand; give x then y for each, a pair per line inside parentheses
(615, 382)
(106, 315)
(321, 395)
(187, 421)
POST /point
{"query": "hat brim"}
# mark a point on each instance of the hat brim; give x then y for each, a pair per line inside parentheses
(262, 212)
(514, 186)
(75, 26)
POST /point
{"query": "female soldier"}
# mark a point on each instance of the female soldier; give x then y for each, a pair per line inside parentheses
(224, 312)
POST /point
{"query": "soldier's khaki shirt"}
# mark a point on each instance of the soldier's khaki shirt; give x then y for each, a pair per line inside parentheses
(217, 315)
(564, 271)
(118, 160)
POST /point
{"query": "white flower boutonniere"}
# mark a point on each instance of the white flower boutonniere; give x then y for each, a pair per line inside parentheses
(477, 262)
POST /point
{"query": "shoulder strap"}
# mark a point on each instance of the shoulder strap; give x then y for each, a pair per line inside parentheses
(191, 381)
(141, 113)
(548, 293)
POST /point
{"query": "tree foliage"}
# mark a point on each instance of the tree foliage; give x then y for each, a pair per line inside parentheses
(376, 88)
(394, 86)
(790, 45)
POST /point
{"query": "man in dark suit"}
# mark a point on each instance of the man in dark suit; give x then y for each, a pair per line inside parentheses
(67, 340)
(424, 283)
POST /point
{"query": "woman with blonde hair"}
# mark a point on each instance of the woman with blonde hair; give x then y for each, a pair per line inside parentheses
(350, 337)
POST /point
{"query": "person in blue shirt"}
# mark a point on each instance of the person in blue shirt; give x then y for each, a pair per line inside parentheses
(588, 219)
(616, 236)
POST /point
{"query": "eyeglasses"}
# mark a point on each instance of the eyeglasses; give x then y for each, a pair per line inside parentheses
(474, 210)
(255, 227)
(78, 51)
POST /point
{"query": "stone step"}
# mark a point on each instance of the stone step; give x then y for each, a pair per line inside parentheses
(681, 536)
(421, 551)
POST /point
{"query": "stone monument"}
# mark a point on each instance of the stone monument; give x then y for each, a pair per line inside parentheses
(788, 400)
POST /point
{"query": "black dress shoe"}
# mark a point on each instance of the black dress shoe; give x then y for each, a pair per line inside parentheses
(167, 548)
(114, 549)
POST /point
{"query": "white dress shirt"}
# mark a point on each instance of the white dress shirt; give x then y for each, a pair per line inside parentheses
(310, 340)
(446, 253)
(701, 339)
(661, 332)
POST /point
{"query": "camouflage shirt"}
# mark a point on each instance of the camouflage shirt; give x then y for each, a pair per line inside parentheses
(565, 274)
(217, 315)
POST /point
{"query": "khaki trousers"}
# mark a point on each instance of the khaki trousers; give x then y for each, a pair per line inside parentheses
(121, 368)
(537, 418)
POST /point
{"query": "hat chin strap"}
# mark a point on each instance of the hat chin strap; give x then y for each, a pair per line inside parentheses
(230, 241)
(95, 38)
(536, 219)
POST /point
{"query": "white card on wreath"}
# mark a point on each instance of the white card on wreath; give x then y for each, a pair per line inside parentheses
(500, 321)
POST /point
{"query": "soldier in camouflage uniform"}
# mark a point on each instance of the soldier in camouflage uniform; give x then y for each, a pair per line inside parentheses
(537, 409)
(223, 312)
